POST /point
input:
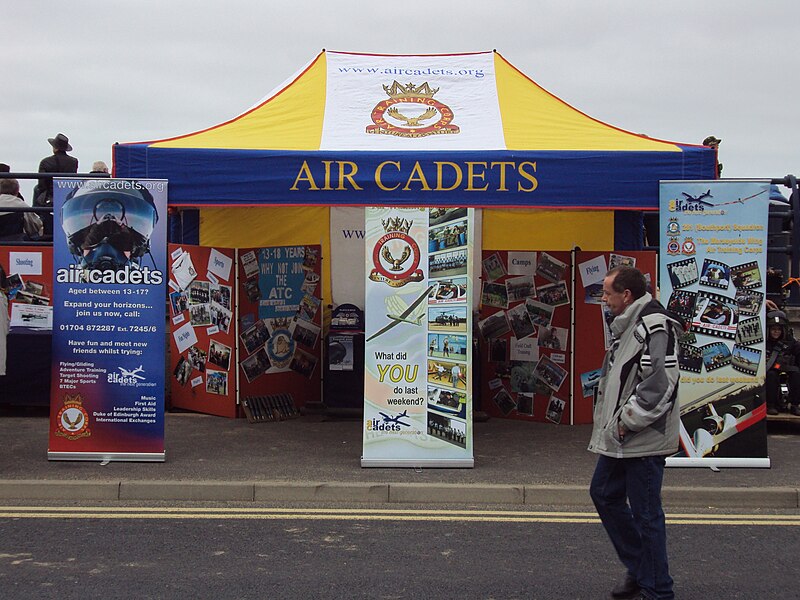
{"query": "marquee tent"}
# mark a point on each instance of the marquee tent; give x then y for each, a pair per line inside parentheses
(393, 130)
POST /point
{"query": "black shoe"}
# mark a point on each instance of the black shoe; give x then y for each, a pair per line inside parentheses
(771, 410)
(795, 410)
(628, 589)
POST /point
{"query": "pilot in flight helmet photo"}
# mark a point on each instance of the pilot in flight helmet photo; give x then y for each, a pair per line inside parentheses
(108, 223)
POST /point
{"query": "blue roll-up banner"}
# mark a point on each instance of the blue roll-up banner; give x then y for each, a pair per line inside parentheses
(712, 273)
(109, 289)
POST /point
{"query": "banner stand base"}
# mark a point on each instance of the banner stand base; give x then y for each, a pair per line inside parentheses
(108, 456)
(408, 463)
(716, 463)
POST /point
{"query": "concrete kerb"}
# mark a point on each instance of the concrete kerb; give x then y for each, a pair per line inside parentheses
(675, 498)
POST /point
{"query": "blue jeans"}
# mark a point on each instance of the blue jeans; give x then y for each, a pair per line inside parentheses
(637, 530)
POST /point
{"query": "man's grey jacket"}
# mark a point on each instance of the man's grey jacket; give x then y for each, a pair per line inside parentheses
(639, 384)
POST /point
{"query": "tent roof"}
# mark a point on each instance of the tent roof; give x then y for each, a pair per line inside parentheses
(341, 103)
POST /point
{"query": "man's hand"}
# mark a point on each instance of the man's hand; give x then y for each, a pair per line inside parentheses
(622, 430)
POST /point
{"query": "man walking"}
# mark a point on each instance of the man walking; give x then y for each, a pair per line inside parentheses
(636, 425)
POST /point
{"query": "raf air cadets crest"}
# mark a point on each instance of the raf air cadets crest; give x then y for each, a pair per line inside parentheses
(673, 247)
(411, 112)
(673, 227)
(396, 255)
(73, 420)
(688, 246)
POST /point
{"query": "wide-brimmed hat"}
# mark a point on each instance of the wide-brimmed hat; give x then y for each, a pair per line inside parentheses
(60, 142)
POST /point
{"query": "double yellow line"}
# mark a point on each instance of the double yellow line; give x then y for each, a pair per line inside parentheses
(370, 514)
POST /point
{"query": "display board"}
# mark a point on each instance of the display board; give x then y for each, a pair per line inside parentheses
(110, 273)
(591, 317)
(29, 287)
(418, 326)
(524, 324)
(202, 302)
(713, 273)
(280, 322)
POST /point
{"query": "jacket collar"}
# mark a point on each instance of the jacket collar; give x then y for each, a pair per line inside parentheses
(623, 321)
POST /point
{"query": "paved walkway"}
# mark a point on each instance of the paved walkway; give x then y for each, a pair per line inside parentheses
(312, 459)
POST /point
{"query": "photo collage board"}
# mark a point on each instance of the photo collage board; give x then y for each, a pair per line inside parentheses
(591, 320)
(202, 308)
(280, 322)
(29, 281)
(524, 325)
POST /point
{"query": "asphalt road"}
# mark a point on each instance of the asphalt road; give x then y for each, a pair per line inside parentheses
(192, 551)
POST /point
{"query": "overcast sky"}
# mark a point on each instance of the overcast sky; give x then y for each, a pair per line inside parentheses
(111, 71)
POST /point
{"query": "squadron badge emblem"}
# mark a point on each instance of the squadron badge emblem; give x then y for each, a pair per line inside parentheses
(396, 255)
(411, 112)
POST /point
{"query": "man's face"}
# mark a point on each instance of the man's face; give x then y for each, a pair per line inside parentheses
(775, 332)
(616, 302)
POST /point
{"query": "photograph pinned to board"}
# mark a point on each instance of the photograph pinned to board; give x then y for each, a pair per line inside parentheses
(309, 306)
(539, 312)
(550, 267)
(14, 283)
(219, 355)
(605, 318)
(179, 302)
(589, 382)
(24, 297)
(254, 337)
(549, 373)
(554, 294)
(197, 357)
(504, 402)
(523, 377)
(221, 294)
(280, 324)
(199, 292)
(183, 371)
(554, 338)
(249, 262)
(494, 294)
(303, 363)
(498, 350)
(255, 365)
(310, 258)
(520, 322)
(520, 288)
(525, 404)
(493, 267)
(494, 326)
(620, 260)
(200, 315)
(217, 382)
(555, 410)
(310, 283)
(221, 317)
(305, 333)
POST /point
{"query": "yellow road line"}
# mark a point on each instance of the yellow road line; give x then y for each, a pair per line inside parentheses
(369, 511)
(317, 515)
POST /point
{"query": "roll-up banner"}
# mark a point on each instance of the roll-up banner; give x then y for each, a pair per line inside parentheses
(109, 291)
(713, 274)
(418, 322)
